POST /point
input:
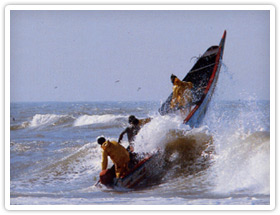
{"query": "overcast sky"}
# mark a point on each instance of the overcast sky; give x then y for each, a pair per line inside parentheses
(130, 55)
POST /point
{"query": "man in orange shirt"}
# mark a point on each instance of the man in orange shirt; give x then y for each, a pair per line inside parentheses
(182, 96)
(118, 154)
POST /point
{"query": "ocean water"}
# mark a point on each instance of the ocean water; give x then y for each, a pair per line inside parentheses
(55, 160)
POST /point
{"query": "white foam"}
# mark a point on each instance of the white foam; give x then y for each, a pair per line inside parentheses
(243, 165)
(96, 119)
(154, 134)
(44, 119)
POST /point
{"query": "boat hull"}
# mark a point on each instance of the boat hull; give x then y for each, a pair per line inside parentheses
(204, 76)
(136, 176)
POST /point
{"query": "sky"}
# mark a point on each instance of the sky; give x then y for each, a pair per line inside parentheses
(129, 55)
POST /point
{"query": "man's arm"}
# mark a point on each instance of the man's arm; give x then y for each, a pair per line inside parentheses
(104, 161)
(121, 135)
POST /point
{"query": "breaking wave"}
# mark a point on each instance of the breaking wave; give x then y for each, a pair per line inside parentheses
(233, 159)
(45, 120)
(184, 150)
(243, 163)
(49, 119)
(97, 119)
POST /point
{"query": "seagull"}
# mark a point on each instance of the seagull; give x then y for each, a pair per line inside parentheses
(139, 88)
(117, 81)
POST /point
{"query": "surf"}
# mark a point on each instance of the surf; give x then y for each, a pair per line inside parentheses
(98, 119)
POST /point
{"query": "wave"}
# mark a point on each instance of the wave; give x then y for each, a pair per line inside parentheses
(98, 119)
(184, 150)
(20, 126)
(77, 161)
(82, 166)
(49, 120)
(243, 164)
(44, 120)
(234, 160)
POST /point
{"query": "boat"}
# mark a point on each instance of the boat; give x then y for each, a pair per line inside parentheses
(204, 76)
(137, 175)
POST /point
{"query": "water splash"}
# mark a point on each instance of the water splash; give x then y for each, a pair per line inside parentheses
(244, 164)
(154, 134)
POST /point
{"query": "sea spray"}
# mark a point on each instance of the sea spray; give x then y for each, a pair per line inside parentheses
(182, 149)
(243, 164)
(153, 134)
(242, 145)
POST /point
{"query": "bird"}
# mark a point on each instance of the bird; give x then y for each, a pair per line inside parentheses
(139, 88)
(117, 81)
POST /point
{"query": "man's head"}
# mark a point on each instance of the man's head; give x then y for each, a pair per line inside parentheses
(133, 120)
(100, 140)
(173, 77)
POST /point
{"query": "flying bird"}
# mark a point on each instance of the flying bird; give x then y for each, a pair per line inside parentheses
(139, 88)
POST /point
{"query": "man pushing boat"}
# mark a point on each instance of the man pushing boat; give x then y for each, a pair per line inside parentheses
(132, 130)
(182, 96)
(118, 154)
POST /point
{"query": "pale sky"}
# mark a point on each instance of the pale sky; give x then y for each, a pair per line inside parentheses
(130, 55)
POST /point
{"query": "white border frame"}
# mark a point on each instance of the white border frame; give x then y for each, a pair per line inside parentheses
(271, 8)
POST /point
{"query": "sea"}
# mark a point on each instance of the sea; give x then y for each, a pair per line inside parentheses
(55, 159)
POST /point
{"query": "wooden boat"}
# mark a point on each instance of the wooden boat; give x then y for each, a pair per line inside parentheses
(141, 171)
(204, 76)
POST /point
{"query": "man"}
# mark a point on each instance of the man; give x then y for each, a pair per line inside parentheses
(182, 96)
(118, 154)
(132, 130)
